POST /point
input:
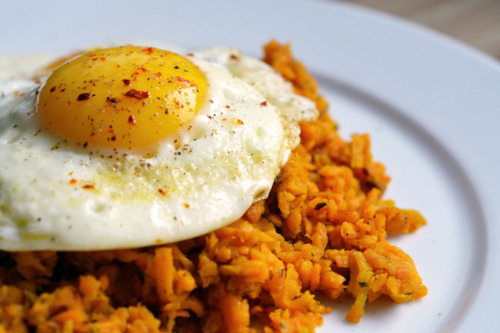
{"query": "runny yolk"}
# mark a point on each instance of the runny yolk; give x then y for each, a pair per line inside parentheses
(122, 97)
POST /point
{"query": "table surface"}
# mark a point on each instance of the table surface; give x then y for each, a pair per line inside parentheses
(475, 22)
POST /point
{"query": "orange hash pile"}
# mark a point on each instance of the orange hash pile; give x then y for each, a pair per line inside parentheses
(323, 229)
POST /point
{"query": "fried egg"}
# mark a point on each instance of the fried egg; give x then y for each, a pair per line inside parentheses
(134, 146)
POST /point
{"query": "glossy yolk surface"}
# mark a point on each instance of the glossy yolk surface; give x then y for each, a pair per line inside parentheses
(122, 97)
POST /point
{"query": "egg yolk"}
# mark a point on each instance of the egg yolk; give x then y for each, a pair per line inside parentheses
(122, 97)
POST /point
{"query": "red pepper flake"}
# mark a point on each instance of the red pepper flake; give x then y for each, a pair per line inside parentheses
(135, 73)
(158, 75)
(73, 181)
(131, 120)
(126, 82)
(111, 130)
(228, 107)
(69, 102)
(159, 241)
(88, 187)
(53, 89)
(148, 50)
(143, 69)
(137, 94)
(103, 58)
(83, 97)
(161, 191)
(224, 119)
(186, 82)
(263, 103)
(190, 54)
(118, 66)
(186, 205)
(240, 122)
(94, 59)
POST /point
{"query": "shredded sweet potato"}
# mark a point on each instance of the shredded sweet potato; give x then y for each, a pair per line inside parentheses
(324, 229)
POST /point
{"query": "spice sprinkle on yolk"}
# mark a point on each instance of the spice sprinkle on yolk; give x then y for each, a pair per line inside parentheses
(122, 97)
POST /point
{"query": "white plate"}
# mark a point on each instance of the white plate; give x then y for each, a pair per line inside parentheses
(432, 106)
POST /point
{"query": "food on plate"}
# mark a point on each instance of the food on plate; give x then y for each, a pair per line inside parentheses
(148, 190)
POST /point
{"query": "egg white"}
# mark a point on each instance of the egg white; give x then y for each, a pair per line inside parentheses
(56, 196)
